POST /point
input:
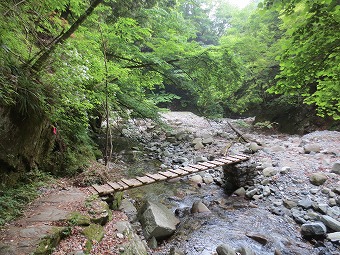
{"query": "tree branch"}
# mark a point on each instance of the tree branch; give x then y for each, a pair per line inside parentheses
(45, 54)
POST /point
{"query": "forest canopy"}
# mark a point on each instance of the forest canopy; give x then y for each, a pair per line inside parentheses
(74, 62)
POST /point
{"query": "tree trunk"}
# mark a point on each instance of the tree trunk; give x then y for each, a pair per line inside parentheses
(45, 54)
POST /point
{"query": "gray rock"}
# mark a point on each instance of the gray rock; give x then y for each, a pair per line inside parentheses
(208, 140)
(312, 215)
(181, 160)
(196, 178)
(123, 227)
(285, 170)
(334, 237)
(225, 249)
(321, 207)
(269, 171)
(277, 148)
(199, 207)
(175, 251)
(336, 168)
(332, 202)
(196, 141)
(153, 243)
(251, 193)
(336, 189)
(266, 191)
(199, 146)
(318, 178)
(262, 239)
(308, 148)
(288, 203)
(305, 203)
(314, 191)
(240, 192)
(157, 220)
(254, 147)
(207, 178)
(330, 222)
(245, 251)
(200, 159)
(313, 229)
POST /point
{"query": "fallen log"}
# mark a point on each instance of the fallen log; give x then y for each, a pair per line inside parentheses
(242, 136)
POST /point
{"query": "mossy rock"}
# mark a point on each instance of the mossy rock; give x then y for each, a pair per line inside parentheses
(51, 241)
(93, 232)
(77, 219)
(117, 200)
(100, 212)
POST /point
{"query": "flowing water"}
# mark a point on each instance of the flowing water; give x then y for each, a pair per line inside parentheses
(233, 221)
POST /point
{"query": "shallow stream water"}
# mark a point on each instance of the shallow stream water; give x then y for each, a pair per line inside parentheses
(231, 221)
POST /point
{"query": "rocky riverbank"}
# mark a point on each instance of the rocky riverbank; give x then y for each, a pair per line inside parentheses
(284, 200)
(293, 178)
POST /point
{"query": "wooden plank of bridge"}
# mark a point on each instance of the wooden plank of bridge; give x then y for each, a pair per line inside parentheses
(145, 179)
(169, 174)
(233, 159)
(157, 177)
(199, 167)
(124, 185)
(190, 169)
(115, 186)
(92, 190)
(207, 164)
(103, 189)
(241, 157)
(132, 182)
(224, 161)
(217, 163)
(179, 171)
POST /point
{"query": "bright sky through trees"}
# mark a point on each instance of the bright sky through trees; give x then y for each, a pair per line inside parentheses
(239, 3)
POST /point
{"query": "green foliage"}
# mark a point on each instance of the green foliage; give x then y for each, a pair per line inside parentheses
(310, 52)
(265, 125)
(14, 199)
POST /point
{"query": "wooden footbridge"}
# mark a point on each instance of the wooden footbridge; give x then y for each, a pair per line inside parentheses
(125, 184)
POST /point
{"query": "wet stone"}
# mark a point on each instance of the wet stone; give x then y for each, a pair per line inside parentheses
(305, 203)
(313, 229)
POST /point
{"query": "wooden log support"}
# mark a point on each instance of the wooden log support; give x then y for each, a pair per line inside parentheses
(157, 177)
(132, 182)
(145, 179)
(169, 174)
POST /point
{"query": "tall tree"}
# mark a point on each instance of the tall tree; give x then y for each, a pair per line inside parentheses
(310, 51)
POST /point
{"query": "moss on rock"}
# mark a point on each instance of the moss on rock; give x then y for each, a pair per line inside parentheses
(48, 243)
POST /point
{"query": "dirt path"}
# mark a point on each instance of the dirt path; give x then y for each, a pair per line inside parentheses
(40, 220)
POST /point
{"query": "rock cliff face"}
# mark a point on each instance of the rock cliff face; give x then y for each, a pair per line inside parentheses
(25, 143)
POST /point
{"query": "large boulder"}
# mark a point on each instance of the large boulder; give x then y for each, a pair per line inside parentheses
(157, 220)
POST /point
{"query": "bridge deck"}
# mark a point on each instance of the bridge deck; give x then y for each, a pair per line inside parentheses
(125, 184)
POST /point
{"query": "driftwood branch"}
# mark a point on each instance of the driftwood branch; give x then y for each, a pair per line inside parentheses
(242, 136)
